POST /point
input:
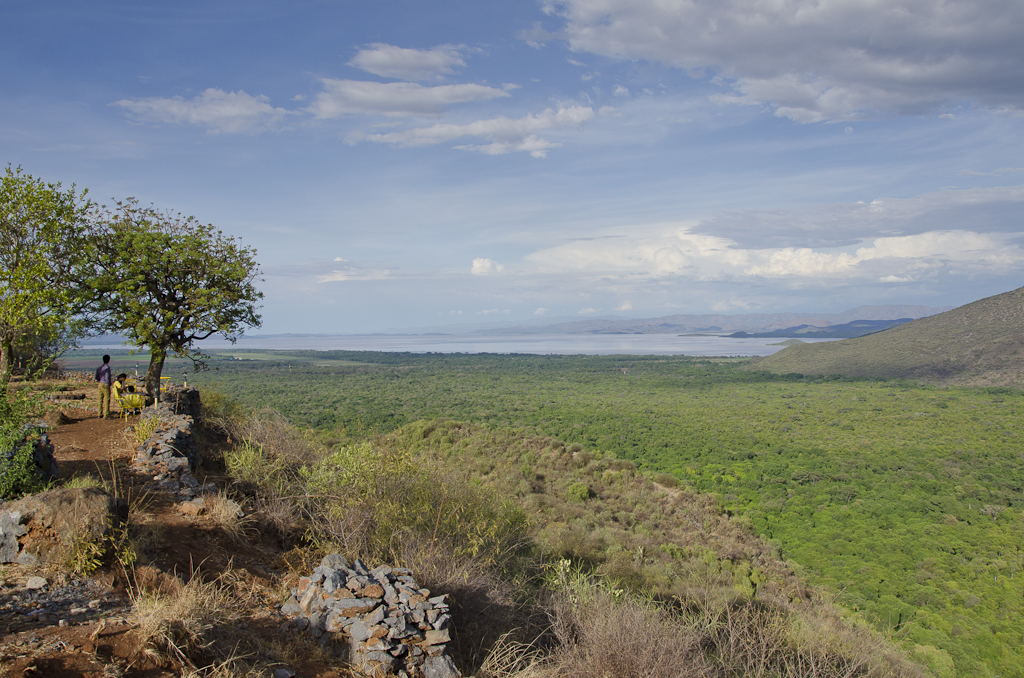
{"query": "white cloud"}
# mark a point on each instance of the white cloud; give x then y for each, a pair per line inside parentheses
(492, 311)
(835, 225)
(482, 266)
(625, 306)
(887, 241)
(393, 99)
(536, 37)
(541, 311)
(351, 274)
(586, 311)
(813, 60)
(621, 91)
(389, 61)
(505, 134)
(215, 109)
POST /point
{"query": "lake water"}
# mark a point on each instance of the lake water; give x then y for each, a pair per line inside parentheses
(565, 344)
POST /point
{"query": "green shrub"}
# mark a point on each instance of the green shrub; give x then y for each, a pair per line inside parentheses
(666, 480)
(375, 499)
(18, 472)
(218, 408)
(250, 462)
(577, 492)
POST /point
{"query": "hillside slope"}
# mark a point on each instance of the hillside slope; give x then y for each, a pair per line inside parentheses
(979, 344)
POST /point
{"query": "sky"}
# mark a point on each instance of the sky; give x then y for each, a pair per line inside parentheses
(401, 164)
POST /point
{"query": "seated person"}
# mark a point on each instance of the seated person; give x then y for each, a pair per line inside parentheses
(118, 386)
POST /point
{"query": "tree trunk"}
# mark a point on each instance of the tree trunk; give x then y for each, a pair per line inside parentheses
(156, 368)
(6, 356)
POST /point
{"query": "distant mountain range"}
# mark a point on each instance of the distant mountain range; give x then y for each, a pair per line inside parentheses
(858, 328)
(716, 323)
(978, 344)
(756, 324)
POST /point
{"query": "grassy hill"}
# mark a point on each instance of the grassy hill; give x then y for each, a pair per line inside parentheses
(979, 344)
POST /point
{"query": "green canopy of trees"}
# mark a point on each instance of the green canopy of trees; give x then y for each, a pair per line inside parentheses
(165, 281)
(70, 268)
(42, 231)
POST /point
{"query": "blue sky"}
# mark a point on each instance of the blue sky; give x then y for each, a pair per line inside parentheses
(408, 164)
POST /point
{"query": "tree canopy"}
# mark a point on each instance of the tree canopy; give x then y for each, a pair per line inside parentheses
(42, 237)
(165, 281)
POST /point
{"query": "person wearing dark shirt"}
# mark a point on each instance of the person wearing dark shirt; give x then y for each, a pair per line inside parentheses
(103, 377)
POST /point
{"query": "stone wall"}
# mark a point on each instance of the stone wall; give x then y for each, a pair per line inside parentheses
(170, 453)
(184, 401)
(390, 625)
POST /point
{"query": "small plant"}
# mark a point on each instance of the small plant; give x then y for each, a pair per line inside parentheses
(19, 474)
(82, 556)
(146, 427)
(81, 482)
(228, 515)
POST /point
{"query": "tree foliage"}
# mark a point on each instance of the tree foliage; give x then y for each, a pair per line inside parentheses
(42, 238)
(906, 500)
(165, 281)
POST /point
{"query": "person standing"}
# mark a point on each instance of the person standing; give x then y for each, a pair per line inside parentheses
(103, 377)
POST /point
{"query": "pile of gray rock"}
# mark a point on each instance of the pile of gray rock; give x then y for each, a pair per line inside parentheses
(391, 625)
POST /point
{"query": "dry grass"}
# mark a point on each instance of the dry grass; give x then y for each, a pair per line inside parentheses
(228, 515)
(144, 429)
(278, 438)
(509, 657)
(602, 634)
(177, 621)
(207, 628)
(192, 623)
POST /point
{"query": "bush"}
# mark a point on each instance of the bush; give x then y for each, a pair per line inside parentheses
(219, 409)
(666, 480)
(19, 474)
(602, 631)
(372, 499)
(578, 492)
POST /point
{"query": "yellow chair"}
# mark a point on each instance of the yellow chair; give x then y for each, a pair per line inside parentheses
(164, 383)
(131, 401)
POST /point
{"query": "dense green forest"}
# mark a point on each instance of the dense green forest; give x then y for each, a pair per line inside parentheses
(905, 500)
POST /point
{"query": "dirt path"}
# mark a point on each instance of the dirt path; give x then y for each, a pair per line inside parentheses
(75, 626)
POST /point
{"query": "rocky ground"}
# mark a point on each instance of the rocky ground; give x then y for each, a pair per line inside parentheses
(57, 624)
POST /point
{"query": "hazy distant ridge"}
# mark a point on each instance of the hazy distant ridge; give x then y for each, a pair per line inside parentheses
(979, 344)
(748, 322)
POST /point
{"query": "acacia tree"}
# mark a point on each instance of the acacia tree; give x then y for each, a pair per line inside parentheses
(165, 281)
(42, 252)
